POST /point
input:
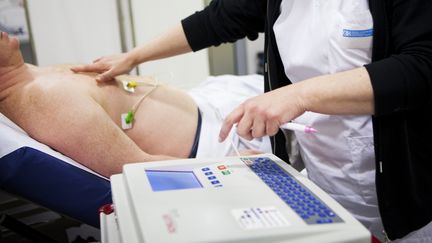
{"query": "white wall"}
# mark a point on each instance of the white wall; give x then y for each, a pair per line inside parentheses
(73, 31)
(151, 18)
(252, 48)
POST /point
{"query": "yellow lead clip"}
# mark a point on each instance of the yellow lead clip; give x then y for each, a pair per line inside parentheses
(132, 84)
(129, 86)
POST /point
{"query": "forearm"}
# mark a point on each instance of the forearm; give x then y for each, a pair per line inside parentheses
(345, 93)
(171, 43)
(225, 21)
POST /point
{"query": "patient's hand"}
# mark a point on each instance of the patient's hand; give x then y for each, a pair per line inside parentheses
(250, 152)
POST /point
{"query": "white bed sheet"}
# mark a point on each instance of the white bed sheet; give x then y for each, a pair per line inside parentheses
(12, 137)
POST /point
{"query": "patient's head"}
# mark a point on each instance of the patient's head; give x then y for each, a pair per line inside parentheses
(10, 54)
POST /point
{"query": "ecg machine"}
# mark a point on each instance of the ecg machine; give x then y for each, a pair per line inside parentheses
(232, 199)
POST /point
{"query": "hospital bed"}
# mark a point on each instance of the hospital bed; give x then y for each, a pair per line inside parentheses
(35, 172)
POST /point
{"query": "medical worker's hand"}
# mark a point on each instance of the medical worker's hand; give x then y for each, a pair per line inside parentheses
(171, 43)
(108, 66)
(263, 114)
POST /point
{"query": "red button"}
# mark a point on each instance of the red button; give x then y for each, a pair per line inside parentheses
(221, 167)
(106, 209)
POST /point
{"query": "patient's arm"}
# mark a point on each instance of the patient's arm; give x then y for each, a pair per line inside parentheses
(72, 122)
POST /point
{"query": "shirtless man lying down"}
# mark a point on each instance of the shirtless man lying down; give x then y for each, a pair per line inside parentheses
(81, 118)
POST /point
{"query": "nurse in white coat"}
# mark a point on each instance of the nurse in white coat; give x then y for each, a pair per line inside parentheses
(340, 157)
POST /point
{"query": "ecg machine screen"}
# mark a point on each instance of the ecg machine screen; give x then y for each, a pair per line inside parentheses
(165, 180)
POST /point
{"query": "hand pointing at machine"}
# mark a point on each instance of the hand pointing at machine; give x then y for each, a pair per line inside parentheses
(264, 114)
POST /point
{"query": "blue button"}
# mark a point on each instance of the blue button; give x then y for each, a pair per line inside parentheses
(290, 202)
(324, 221)
(294, 207)
(215, 182)
(205, 169)
(211, 177)
(208, 173)
(330, 213)
(319, 221)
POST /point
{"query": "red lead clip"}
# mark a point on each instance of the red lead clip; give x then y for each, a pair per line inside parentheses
(107, 209)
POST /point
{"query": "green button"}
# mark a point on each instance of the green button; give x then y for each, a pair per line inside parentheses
(226, 172)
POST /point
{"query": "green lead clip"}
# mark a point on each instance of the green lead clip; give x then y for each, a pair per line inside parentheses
(129, 117)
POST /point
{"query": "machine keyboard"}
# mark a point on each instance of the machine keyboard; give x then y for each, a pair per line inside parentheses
(311, 209)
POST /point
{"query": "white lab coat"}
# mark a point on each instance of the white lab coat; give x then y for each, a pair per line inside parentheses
(318, 37)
